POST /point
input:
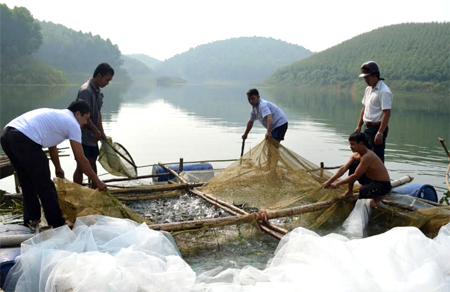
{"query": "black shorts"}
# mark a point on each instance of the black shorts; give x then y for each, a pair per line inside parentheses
(90, 151)
(279, 132)
(374, 189)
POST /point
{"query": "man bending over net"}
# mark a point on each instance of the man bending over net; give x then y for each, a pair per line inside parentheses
(365, 167)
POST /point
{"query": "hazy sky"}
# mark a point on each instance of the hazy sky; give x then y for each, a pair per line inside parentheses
(165, 28)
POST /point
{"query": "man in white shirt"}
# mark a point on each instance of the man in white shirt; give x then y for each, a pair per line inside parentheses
(270, 116)
(376, 111)
(23, 139)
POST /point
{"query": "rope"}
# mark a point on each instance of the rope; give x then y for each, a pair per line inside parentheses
(261, 215)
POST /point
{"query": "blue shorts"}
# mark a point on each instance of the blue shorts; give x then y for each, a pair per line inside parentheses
(90, 151)
(279, 132)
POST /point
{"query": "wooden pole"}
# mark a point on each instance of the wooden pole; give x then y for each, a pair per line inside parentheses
(135, 178)
(249, 218)
(180, 168)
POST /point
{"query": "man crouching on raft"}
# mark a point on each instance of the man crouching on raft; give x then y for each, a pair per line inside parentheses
(365, 167)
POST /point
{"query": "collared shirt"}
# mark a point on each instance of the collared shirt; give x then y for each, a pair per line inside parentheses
(375, 101)
(265, 108)
(94, 97)
(48, 127)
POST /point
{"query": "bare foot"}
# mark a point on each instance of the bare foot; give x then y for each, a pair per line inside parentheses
(35, 222)
(69, 224)
(374, 202)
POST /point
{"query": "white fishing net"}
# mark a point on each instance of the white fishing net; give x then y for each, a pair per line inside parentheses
(402, 259)
(108, 254)
(100, 254)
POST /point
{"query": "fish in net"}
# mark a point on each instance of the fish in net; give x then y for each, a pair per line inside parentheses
(116, 160)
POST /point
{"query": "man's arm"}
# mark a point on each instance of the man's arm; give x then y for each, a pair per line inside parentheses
(247, 130)
(360, 170)
(343, 169)
(85, 165)
(384, 123)
(54, 156)
(269, 126)
(360, 121)
(100, 125)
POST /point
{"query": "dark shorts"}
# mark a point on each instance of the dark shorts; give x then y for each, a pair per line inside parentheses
(91, 151)
(279, 132)
(370, 188)
(374, 189)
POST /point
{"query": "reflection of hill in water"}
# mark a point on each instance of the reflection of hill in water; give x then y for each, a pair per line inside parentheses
(16, 100)
(417, 118)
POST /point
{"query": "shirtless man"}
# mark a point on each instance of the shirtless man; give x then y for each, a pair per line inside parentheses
(365, 167)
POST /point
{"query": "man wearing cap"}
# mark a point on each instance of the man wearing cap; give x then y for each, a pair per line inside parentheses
(376, 110)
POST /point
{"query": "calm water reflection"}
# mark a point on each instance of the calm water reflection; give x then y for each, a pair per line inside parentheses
(200, 122)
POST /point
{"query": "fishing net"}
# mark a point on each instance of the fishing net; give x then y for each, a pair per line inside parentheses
(76, 201)
(404, 210)
(271, 177)
(116, 160)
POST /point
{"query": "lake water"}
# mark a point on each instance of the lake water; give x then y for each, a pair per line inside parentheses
(205, 122)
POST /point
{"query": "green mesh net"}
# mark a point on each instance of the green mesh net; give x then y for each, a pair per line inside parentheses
(116, 160)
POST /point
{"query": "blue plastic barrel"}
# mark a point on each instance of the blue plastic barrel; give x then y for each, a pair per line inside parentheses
(157, 169)
(426, 192)
(7, 257)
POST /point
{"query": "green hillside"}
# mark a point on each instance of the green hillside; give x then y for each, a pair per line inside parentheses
(21, 36)
(410, 56)
(76, 53)
(244, 59)
(150, 62)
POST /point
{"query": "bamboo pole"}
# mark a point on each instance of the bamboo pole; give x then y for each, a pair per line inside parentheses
(137, 177)
(14, 239)
(146, 196)
(197, 161)
(150, 189)
(249, 218)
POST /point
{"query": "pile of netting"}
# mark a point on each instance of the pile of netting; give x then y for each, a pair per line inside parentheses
(108, 254)
(100, 254)
(271, 177)
(77, 201)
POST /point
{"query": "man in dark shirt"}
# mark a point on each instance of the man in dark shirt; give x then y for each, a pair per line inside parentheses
(90, 92)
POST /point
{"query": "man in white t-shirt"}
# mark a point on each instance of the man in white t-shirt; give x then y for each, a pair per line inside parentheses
(270, 116)
(23, 139)
(376, 111)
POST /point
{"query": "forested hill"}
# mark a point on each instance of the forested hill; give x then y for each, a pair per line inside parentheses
(20, 37)
(410, 56)
(150, 62)
(244, 59)
(76, 53)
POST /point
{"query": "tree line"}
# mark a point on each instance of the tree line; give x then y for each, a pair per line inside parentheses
(39, 52)
(243, 59)
(410, 55)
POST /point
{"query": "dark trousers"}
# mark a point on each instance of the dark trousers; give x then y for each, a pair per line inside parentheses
(370, 133)
(33, 170)
(370, 189)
